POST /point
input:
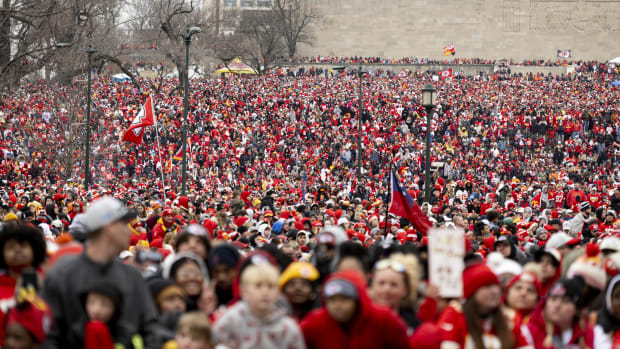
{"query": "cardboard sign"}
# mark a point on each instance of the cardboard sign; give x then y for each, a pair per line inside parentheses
(446, 249)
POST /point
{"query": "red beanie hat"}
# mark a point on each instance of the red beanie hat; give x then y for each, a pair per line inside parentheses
(97, 336)
(528, 277)
(427, 336)
(209, 225)
(184, 202)
(477, 276)
(241, 220)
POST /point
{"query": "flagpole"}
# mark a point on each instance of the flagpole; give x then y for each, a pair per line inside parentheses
(304, 189)
(389, 199)
(161, 161)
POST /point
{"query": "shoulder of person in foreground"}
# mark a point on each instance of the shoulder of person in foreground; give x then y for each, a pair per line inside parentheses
(228, 323)
(294, 337)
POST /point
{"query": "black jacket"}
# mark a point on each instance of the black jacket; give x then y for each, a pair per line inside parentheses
(72, 276)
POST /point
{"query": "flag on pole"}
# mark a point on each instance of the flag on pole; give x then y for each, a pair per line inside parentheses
(446, 73)
(403, 205)
(178, 155)
(564, 53)
(146, 117)
(449, 50)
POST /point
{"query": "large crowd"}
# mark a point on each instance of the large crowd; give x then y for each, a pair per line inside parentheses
(424, 60)
(283, 237)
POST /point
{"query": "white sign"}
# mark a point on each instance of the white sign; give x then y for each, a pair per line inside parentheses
(446, 249)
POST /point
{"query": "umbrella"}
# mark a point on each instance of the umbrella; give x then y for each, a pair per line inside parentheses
(121, 78)
(616, 83)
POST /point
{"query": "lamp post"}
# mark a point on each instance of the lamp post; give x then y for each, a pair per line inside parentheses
(90, 52)
(359, 125)
(187, 38)
(429, 99)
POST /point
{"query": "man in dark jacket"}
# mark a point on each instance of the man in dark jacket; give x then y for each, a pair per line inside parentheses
(108, 234)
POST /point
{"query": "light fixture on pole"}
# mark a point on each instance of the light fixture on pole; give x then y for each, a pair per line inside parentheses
(187, 39)
(360, 74)
(87, 178)
(429, 100)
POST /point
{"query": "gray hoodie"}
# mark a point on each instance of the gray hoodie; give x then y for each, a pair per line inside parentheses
(239, 329)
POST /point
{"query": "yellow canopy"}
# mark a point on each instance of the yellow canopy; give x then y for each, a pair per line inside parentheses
(236, 67)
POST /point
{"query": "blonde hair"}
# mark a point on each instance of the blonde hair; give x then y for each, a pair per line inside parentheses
(264, 272)
(197, 323)
(412, 268)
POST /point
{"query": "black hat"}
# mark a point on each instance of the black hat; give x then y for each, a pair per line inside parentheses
(570, 288)
(224, 255)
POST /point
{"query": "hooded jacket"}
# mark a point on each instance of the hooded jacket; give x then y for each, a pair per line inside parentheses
(373, 326)
(238, 328)
(537, 331)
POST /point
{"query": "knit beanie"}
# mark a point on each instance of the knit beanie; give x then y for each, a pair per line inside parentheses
(590, 267)
(527, 277)
(477, 276)
(427, 336)
(570, 288)
(224, 255)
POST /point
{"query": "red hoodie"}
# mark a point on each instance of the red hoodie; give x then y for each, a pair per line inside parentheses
(538, 331)
(373, 327)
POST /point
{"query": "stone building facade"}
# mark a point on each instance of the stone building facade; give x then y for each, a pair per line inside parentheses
(517, 29)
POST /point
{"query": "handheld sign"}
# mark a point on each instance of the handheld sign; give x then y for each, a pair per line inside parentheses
(446, 249)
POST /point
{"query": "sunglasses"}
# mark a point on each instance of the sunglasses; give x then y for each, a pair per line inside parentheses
(390, 264)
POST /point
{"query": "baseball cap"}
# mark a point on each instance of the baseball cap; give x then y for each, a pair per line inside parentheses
(104, 211)
(339, 287)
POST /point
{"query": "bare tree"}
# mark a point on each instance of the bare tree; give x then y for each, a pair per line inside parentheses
(51, 34)
(265, 42)
(173, 16)
(27, 37)
(294, 18)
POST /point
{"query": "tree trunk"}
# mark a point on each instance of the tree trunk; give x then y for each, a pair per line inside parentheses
(5, 30)
(124, 69)
(217, 17)
(292, 49)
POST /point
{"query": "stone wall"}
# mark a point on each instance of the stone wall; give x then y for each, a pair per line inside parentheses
(518, 29)
(467, 69)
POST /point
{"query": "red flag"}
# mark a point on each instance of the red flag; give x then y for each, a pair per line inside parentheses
(146, 117)
(403, 205)
(446, 73)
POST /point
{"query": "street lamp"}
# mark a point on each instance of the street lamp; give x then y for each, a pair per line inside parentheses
(187, 38)
(90, 52)
(429, 100)
(360, 73)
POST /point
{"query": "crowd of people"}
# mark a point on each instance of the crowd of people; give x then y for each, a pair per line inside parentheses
(420, 60)
(283, 237)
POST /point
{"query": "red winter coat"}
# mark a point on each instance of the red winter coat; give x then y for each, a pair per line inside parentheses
(537, 331)
(374, 326)
(7, 301)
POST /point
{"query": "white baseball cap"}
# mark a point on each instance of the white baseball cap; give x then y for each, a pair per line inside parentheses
(104, 211)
